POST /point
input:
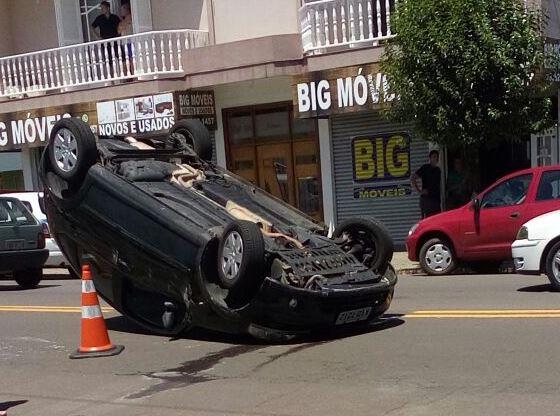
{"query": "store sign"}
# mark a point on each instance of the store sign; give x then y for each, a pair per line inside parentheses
(341, 90)
(137, 116)
(378, 160)
(379, 192)
(32, 128)
(198, 104)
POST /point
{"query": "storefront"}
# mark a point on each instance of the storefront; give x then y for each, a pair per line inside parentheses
(372, 159)
(11, 172)
(24, 134)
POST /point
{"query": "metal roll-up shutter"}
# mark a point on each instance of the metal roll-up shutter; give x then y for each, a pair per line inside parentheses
(397, 213)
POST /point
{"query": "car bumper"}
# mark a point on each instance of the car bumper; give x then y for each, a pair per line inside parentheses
(280, 310)
(527, 255)
(13, 261)
(410, 244)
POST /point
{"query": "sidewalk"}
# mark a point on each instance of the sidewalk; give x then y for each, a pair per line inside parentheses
(403, 265)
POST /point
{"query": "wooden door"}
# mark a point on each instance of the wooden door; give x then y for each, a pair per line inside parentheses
(275, 167)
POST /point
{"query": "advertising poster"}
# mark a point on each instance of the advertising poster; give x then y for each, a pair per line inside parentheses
(137, 116)
(381, 166)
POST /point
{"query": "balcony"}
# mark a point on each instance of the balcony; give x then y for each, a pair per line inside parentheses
(142, 56)
(329, 25)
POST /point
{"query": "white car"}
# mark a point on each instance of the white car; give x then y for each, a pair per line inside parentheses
(536, 248)
(31, 201)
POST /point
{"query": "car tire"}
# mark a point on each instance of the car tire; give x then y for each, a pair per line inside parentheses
(197, 135)
(437, 257)
(28, 279)
(241, 259)
(552, 266)
(72, 149)
(371, 231)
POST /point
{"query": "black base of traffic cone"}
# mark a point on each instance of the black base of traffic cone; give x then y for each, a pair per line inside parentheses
(117, 349)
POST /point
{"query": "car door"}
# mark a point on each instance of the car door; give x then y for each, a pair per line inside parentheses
(548, 194)
(490, 230)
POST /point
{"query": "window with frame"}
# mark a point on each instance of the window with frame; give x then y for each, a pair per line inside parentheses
(549, 186)
(508, 193)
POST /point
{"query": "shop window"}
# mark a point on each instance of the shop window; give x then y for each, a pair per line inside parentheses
(303, 128)
(272, 125)
(240, 128)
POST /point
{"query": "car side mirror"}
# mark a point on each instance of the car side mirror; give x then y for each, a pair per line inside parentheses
(476, 204)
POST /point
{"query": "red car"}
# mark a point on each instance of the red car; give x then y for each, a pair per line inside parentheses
(482, 231)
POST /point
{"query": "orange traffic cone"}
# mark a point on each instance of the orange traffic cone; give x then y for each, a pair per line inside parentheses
(95, 339)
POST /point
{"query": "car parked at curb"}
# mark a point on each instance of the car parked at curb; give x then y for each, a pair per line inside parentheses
(536, 249)
(481, 232)
(31, 200)
(22, 244)
(174, 241)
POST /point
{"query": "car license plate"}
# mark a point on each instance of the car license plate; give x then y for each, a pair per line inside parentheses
(355, 315)
(15, 244)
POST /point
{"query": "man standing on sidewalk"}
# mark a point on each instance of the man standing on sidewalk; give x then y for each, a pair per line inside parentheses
(430, 174)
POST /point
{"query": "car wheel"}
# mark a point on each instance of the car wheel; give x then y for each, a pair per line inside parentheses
(197, 135)
(368, 240)
(28, 279)
(437, 257)
(553, 266)
(241, 259)
(72, 149)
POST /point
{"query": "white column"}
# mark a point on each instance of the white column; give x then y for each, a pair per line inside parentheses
(327, 171)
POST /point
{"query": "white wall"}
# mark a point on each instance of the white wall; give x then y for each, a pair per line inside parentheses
(552, 10)
(246, 19)
(33, 25)
(6, 42)
(180, 14)
(256, 92)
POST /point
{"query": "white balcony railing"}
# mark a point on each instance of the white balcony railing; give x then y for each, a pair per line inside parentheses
(145, 55)
(328, 24)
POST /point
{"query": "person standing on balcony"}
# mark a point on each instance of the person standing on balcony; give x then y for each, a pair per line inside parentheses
(430, 173)
(125, 29)
(105, 26)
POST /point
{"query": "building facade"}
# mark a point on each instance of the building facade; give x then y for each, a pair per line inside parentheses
(291, 91)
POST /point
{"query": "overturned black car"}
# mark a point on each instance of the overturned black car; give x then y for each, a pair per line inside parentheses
(176, 242)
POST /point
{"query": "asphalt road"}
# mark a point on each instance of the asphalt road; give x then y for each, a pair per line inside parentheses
(461, 345)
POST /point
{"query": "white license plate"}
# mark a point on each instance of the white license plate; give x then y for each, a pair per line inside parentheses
(355, 315)
(15, 244)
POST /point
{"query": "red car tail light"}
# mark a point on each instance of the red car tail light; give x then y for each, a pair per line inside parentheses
(41, 240)
(46, 231)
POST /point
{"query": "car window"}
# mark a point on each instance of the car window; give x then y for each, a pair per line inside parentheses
(549, 187)
(13, 211)
(510, 192)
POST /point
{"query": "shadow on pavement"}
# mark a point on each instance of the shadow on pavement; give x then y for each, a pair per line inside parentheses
(16, 288)
(7, 405)
(537, 289)
(123, 324)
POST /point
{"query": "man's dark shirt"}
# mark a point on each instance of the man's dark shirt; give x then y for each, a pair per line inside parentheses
(431, 177)
(107, 25)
